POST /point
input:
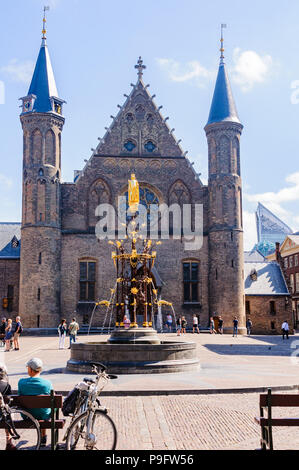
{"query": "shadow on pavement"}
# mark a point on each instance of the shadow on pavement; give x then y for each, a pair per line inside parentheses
(274, 346)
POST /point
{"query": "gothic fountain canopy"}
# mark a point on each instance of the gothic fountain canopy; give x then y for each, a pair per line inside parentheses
(133, 347)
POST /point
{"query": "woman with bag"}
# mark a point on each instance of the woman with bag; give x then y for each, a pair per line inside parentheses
(8, 335)
(62, 329)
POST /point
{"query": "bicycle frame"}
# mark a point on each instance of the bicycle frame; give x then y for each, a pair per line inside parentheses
(90, 404)
(5, 415)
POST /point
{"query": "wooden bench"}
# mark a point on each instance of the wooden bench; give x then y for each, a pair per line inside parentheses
(41, 401)
(267, 402)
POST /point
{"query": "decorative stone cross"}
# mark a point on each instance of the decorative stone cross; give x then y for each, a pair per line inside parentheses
(140, 67)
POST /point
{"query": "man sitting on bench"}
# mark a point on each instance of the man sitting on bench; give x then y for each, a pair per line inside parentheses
(36, 385)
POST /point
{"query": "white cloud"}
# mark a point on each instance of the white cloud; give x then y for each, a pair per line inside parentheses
(250, 235)
(250, 68)
(19, 71)
(192, 70)
(275, 200)
(5, 182)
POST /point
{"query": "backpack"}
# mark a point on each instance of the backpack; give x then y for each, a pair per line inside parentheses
(20, 329)
(70, 402)
(62, 329)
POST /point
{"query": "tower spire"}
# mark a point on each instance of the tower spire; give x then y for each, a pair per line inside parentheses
(223, 106)
(223, 25)
(140, 67)
(44, 31)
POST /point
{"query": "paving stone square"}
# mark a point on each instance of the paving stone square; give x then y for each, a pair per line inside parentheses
(212, 408)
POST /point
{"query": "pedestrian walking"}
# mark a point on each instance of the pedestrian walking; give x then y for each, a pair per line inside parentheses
(248, 326)
(220, 325)
(8, 335)
(212, 326)
(62, 329)
(195, 323)
(179, 325)
(184, 325)
(235, 325)
(2, 330)
(16, 336)
(285, 329)
(169, 322)
(73, 330)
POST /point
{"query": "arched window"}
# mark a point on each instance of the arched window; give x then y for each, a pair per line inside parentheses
(99, 194)
(50, 148)
(37, 146)
(224, 155)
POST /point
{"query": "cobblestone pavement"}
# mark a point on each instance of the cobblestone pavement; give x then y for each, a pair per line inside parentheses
(200, 422)
(185, 421)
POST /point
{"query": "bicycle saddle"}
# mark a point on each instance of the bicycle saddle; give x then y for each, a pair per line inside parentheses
(99, 364)
(89, 380)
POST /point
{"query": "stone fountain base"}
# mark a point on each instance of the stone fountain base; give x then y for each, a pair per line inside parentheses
(143, 353)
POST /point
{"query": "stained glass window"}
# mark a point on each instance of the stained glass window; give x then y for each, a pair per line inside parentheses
(150, 146)
(129, 145)
(147, 198)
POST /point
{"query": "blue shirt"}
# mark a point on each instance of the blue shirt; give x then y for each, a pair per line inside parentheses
(36, 386)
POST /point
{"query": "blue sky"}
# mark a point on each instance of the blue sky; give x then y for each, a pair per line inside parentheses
(94, 46)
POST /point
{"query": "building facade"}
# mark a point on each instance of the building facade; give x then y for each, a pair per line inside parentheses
(64, 268)
(288, 256)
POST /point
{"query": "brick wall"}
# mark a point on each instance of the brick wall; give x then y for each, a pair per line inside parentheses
(263, 321)
(9, 275)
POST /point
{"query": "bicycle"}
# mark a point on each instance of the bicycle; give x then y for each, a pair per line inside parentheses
(19, 425)
(91, 428)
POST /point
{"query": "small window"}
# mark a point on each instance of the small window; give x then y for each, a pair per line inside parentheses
(291, 261)
(233, 264)
(272, 307)
(41, 172)
(130, 145)
(286, 264)
(10, 297)
(292, 283)
(216, 274)
(40, 258)
(190, 281)
(150, 146)
(38, 294)
(273, 327)
(38, 321)
(87, 280)
(296, 260)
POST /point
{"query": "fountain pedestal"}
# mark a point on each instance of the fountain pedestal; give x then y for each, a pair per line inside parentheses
(134, 336)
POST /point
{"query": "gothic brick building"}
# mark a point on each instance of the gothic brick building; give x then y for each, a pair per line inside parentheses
(64, 268)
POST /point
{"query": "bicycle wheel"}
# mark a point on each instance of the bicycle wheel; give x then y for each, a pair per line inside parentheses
(103, 433)
(28, 429)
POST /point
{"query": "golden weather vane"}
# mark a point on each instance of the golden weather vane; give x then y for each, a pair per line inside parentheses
(44, 31)
(223, 25)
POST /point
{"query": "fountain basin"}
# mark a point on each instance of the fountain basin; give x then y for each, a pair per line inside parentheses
(132, 358)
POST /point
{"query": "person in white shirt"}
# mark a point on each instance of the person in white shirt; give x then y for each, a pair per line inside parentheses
(195, 323)
(285, 329)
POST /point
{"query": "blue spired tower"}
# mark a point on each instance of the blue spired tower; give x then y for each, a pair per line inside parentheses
(226, 258)
(42, 124)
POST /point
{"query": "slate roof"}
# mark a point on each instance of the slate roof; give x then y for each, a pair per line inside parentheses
(270, 280)
(223, 106)
(253, 255)
(43, 84)
(10, 232)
